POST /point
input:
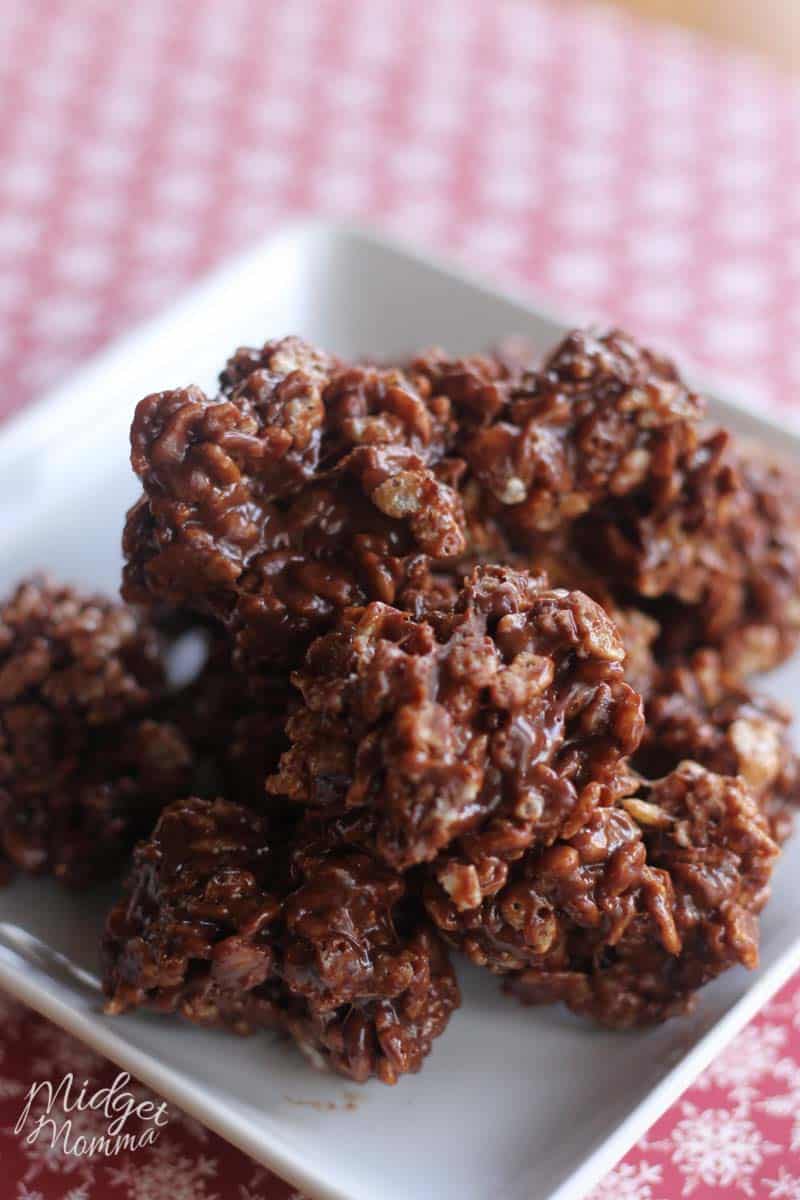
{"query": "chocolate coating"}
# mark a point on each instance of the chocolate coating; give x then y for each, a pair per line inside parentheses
(86, 759)
(227, 925)
(501, 720)
(709, 861)
(303, 487)
(597, 419)
(626, 918)
(713, 554)
(696, 712)
(441, 592)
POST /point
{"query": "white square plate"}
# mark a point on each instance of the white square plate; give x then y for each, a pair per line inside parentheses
(513, 1104)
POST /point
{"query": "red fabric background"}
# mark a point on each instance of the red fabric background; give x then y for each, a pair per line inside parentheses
(618, 170)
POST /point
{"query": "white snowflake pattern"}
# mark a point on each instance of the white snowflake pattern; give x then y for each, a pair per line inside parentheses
(787, 1104)
(59, 1053)
(25, 1193)
(10, 1088)
(246, 1192)
(785, 1187)
(718, 1148)
(754, 1054)
(786, 1010)
(259, 1186)
(628, 1181)
(165, 1174)
(45, 1156)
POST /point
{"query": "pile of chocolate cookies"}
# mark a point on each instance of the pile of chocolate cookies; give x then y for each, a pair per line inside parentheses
(479, 640)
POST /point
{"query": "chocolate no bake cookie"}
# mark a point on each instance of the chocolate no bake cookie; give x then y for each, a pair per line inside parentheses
(305, 932)
(303, 487)
(623, 921)
(86, 762)
(598, 418)
(503, 720)
(695, 713)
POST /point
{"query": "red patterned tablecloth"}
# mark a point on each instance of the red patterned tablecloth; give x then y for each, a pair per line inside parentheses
(621, 170)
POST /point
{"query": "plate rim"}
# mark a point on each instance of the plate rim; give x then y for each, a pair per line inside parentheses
(28, 429)
(25, 424)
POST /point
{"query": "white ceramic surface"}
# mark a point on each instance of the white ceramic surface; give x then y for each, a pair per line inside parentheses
(512, 1104)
